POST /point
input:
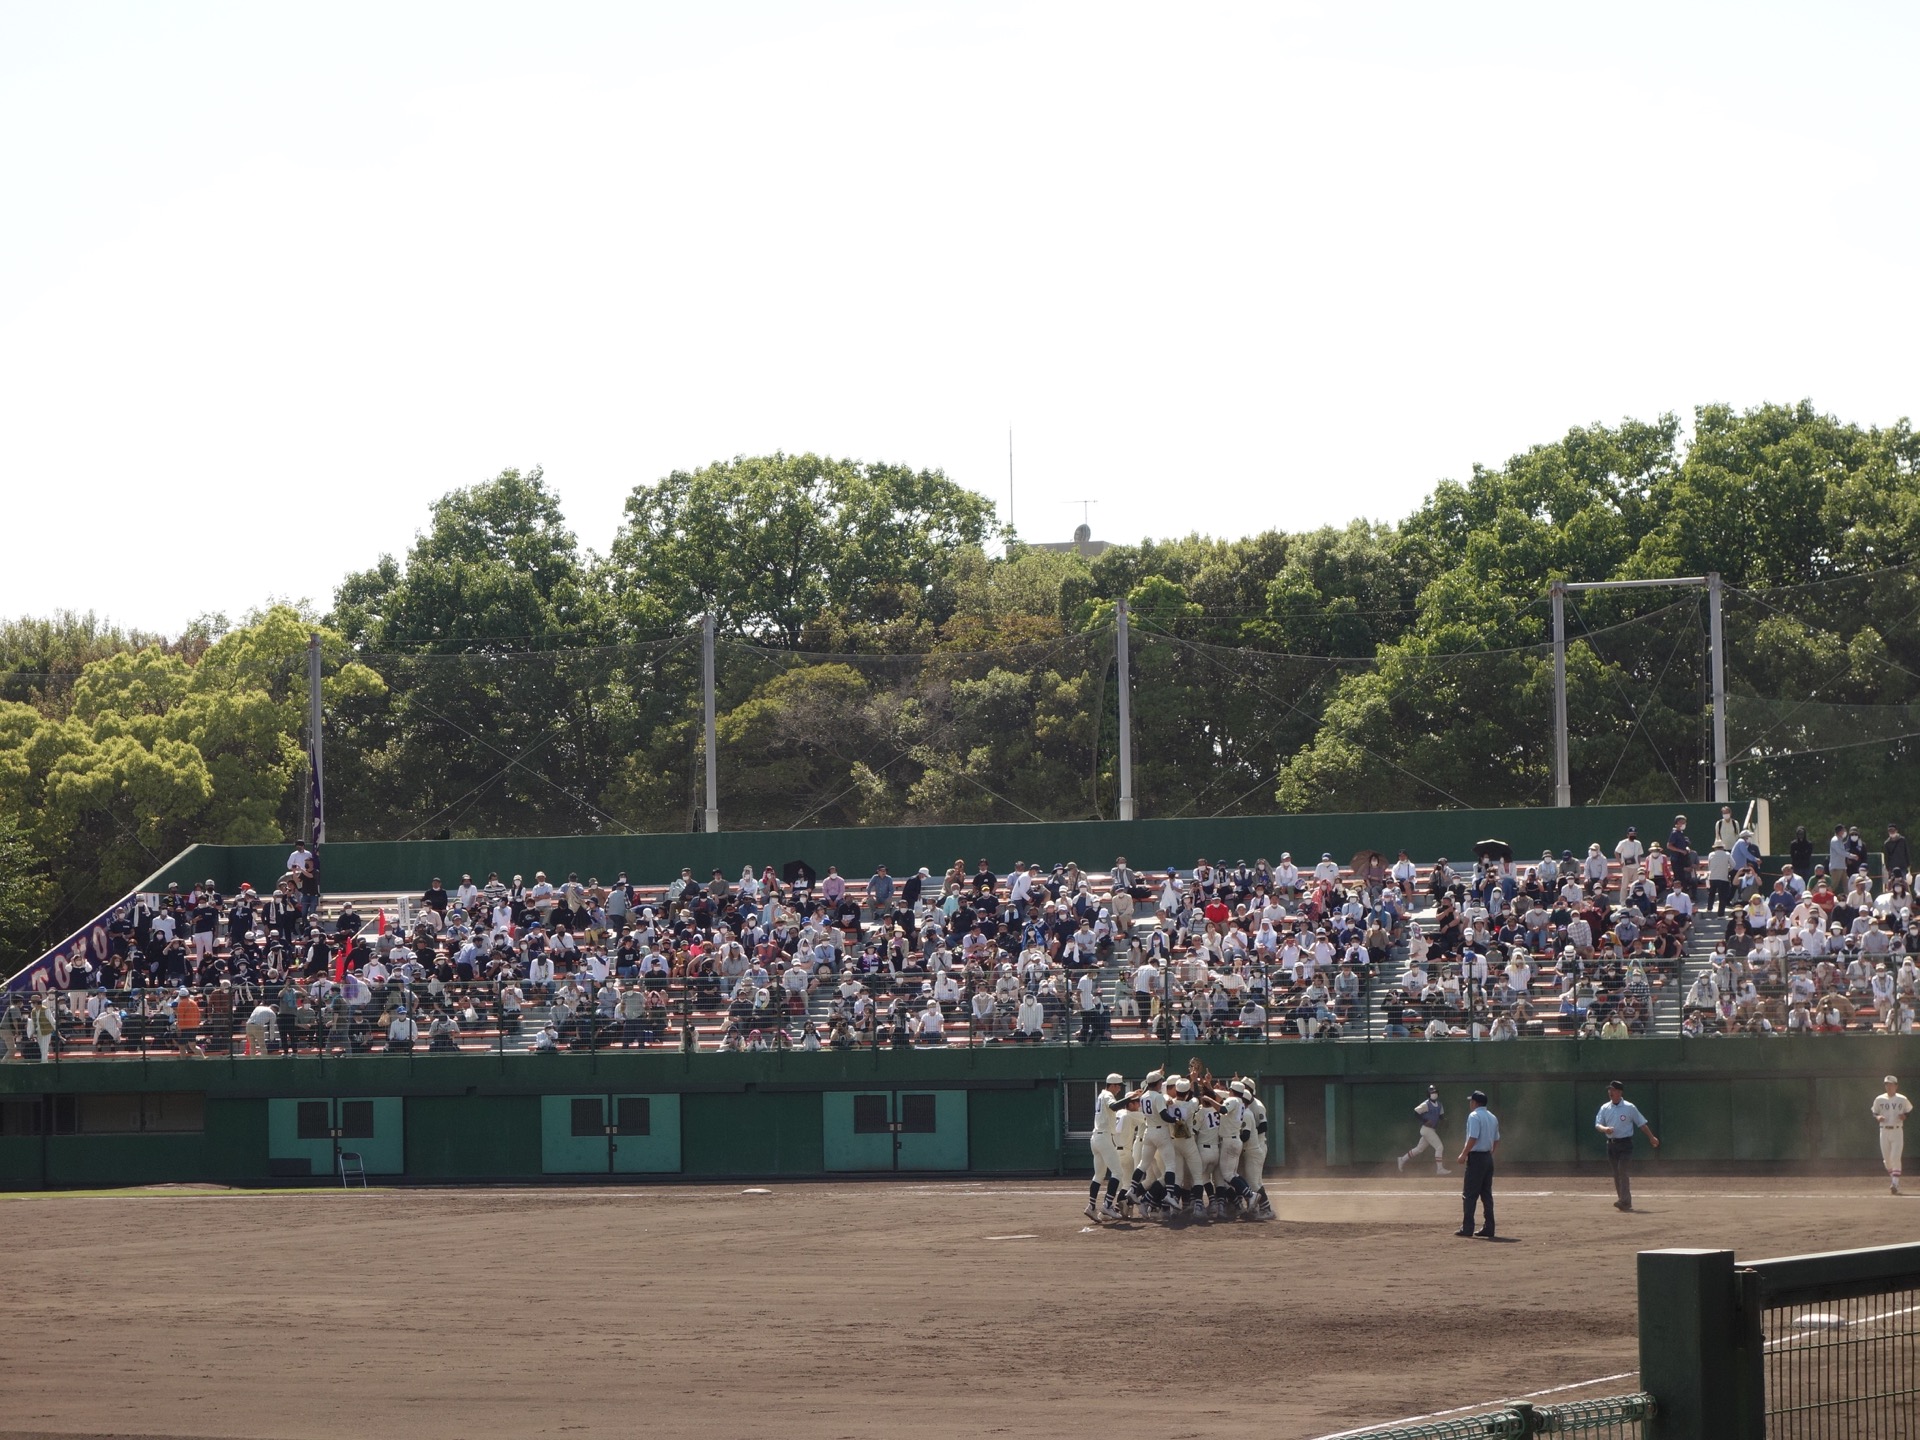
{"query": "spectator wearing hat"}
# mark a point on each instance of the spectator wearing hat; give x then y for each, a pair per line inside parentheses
(402, 1031)
(1720, 872)
(1680, 854)
(1629, 852)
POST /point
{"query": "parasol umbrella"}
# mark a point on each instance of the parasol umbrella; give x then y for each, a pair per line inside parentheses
(1492, 850)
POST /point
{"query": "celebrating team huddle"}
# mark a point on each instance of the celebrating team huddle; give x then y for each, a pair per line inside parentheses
(1188, 1146)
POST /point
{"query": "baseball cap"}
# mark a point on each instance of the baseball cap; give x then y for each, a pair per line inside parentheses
(1116, 1080)
(1433, 1089)
(1615, 1085)
(1891, 1080)
(1154, 1077)
(1479, 1097)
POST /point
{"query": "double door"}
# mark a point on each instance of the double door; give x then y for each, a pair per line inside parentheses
(895, 1129)
(609, 1134)
(306, 1137)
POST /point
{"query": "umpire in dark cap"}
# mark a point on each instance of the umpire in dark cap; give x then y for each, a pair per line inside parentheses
(1476, 1159)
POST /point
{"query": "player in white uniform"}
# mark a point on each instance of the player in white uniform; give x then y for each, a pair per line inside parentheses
(1153, 1153)
(1890, 1111)
(1233, 1119)
(1186, 1184)
(1253, 1155)
(1127, 1142)
(1108, 1166)
(1208, 1127)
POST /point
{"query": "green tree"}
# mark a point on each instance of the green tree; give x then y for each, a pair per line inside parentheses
(774, 545)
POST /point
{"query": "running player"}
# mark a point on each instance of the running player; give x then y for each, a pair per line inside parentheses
(1429, 1114)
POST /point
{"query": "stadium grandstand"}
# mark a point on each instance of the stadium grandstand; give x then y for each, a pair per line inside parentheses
(1666, 936)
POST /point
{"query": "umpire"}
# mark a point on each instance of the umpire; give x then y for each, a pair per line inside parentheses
(1483, 1139)
(1617, 1120)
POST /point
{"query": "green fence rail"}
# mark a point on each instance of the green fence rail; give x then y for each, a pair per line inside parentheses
(1614, 1417)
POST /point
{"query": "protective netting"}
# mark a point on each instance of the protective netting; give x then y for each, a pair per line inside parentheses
(1021, 732)
(533, 742)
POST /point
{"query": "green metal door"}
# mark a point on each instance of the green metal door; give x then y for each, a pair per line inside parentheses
(573, 1135)
(857, 1129)
(610, 1134)
(646, 1134)
(304, 1136)
(894, 1130)
(932, 1130)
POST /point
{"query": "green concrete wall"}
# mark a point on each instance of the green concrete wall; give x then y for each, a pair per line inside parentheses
(762, 1135)
(473, 1137)
(1151, 844)
(1012, 1132)
(1719, 1103)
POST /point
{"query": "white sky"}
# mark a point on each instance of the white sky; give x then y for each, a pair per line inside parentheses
(273, 277)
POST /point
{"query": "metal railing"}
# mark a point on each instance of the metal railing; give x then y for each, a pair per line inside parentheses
(1614, 1417)
(1839, 1341)
(1808, 1347)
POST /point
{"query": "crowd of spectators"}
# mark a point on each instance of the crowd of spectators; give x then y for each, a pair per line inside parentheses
(1492, 948)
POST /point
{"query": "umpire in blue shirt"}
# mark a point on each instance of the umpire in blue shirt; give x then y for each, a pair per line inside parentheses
(1617, 1120)
(1476, 1155)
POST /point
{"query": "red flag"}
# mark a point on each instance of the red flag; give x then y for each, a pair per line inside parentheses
(383, 920)
(340, 963)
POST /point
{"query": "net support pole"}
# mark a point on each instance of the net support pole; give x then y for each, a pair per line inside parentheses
(1692, 1346)
(711, 824)
(1716, 639)
(316, 779)
(1562, 780)
(1125, 668)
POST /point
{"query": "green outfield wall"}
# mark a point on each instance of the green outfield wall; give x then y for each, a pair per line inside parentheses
(1148, 844)
(1739, 1104)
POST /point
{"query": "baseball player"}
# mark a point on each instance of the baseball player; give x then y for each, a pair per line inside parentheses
(1233, 1118)
(1127, 1141)
(1107, 1164)
(1890, 1110)
(1153, 1151)
(1183, 1182)
(1208, 1127)
(1240, 1195)
(1429, 1113)
(1253, 1153)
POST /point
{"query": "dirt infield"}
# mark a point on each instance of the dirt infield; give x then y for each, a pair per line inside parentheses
(825, 1310)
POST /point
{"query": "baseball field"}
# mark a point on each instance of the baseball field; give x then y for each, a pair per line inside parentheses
(842, 1309)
